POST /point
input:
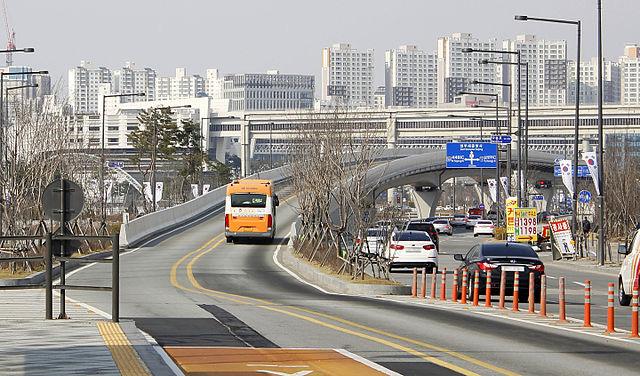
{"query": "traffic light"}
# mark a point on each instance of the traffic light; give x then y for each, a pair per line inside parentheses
(542, 184)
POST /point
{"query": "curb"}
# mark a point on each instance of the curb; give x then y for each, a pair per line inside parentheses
(38, 277)
(334, 284)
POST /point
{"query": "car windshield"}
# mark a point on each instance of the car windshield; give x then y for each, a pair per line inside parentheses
(508, 249)
(419, 227)
(459, 216)
(376, 233)
(485, 222)
(411, 236)
(441, 221)
(474, 217)
(248, 200)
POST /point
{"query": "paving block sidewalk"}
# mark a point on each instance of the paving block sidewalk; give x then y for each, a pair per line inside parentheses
(85, 344)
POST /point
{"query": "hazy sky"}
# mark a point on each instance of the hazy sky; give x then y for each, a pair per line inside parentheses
(256, 35)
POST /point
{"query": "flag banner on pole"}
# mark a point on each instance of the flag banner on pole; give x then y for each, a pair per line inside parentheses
(592, 165)
(159, 189)
(194, 190)
(493, 191)
(505, 184)
(109, 190)
(147, 191)
(567, 174)
(205, 188)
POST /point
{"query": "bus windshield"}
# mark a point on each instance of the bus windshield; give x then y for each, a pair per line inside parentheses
(248, 200)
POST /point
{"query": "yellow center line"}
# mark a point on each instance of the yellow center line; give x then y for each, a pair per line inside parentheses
(267, 305)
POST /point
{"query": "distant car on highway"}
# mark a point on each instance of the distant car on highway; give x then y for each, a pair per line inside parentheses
(459, 220)
(497, 257)
(427, 227)
(483, 227)
(630, 269)
(412, 249)
(472, 220)
(443, 226)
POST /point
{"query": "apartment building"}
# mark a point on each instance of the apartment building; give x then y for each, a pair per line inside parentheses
(86, 85)
(411, 77)
(347, 75)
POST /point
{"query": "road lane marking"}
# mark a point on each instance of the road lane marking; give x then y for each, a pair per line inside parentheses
(267, 305)
(123, 353)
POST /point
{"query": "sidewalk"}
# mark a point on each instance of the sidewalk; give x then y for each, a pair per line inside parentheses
(85, 344)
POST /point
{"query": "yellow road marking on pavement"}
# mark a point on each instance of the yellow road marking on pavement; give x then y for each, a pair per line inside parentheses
(174, 269)
(126, 358)
(265, 304)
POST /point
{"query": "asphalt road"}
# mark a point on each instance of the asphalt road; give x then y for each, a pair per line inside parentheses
(463, 240)
(192, 289)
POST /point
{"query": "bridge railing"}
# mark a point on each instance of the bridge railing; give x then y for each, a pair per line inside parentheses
(145, 227)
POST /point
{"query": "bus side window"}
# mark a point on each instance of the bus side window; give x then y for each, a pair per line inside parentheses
(276, 200)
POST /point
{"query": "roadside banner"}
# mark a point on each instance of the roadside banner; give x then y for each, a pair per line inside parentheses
(147, 191)
(493, 191)
(159, 190)
(567, 175)
(205, 188)
(505, 184)
(194, 190)
(511, 204)
(562, 235)
(526, 224)
(592, 164)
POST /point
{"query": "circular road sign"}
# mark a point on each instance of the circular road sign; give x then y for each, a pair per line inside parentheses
(51, 200)
(584, 197)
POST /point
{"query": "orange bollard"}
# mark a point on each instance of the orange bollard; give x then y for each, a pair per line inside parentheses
(532, 293)
(503, 287)
(454, 289)
(562, 313)
(543, 296)
(423, 285)
(610, 311)
(476, 288)
(433, 283)
(516, 291)
(443, 285)
(487, 290)
(634, 313)
(463, 295)
(414, 283)
(587, 304)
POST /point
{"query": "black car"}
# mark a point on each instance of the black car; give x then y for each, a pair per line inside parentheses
(497, 257)
(425, 227)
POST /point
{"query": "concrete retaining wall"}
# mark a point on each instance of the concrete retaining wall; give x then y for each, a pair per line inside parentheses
(331, 283)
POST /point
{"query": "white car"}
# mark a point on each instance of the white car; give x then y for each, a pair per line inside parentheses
(443, 226)
(459, 220)
(483, 227)
(412, 249)
(472, 220)
(628, 275)
(376, 239)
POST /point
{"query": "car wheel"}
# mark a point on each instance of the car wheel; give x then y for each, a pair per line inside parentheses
(623, 298)
(229, 239)
(475, 235)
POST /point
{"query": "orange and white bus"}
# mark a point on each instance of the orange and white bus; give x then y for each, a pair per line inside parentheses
(250, 210)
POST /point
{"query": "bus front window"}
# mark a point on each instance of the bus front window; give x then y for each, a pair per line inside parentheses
(248, 200)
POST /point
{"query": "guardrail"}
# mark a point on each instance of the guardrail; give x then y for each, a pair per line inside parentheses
(143, 228)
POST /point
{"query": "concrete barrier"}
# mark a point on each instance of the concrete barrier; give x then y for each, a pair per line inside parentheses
(153, 224)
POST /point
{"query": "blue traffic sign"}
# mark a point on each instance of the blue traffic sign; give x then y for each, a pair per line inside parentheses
(481, 206)
(584, 197)
(537, 197)
(501, 138)
(583, 171)
(115, 164)
(471, 155)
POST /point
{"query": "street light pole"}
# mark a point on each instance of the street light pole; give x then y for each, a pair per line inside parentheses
(578, 24)
(601, 198)
(103, 198)
(271, 146)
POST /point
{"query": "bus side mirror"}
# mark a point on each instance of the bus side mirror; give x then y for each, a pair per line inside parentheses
(276, 200)
(622, 249)
(458, 257)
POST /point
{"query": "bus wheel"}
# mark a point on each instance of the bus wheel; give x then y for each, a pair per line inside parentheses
(229, 239)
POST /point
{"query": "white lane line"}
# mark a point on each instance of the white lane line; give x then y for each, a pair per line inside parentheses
(580, 284)
(367, 362)
(293, 274)
(551, 277)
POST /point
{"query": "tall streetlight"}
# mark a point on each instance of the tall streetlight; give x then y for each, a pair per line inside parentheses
(476, 82)
(577, 120)
(524, 146)
(103, 198)
(517, 53)
(601, 236)
(154, 152)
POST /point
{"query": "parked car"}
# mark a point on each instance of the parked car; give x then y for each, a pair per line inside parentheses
(497, 257)
(412, 249)
(375, 240)
(472, 220)
(492, 215)
(630, 269)
(427, 227)
(443, 226)
(459, 220)
(483, 227)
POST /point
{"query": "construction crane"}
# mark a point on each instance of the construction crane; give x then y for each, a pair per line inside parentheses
(11, 35)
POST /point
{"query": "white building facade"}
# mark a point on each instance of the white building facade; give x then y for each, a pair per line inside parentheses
(589, 82)
(269, 91)
(87, 84)
(129, 80)
(411, 77)
(630, 75)
(347, 75)
(180, 86)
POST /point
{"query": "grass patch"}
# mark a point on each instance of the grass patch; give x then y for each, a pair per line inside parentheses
(6, 273)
